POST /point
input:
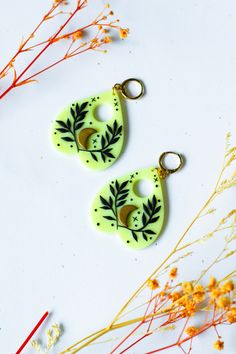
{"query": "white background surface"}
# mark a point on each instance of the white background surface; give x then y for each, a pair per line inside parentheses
(51, 256)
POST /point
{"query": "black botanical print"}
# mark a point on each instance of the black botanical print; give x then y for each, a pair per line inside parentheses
(71, 128)
(118, 198)
(73, 124)
(111, 137)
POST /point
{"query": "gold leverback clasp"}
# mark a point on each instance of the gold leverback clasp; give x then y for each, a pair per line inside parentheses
(163, 171)
(123, 88)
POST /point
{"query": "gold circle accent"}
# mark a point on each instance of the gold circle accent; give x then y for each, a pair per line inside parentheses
(124, 88)
(170, 170)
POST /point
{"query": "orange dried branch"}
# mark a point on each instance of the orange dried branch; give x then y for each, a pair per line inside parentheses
(23, 43)
(96, 41)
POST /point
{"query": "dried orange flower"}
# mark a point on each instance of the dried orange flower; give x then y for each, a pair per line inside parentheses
(215, 293)
(231, 315)
(191, 331)
(175, 296)
(212, 283)
(95, 42)
(124, 33)
(107, 39)
(173, 272)
(77, 35)
(187, 287)
(153, 284)
(223, 302)
(199, 293)
(64, 2)
(190, 307)
(182, 301)
(228, 286)
(218, 345)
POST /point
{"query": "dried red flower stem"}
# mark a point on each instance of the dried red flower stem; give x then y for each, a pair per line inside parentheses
(178, 313)
(93, 44)
(17, 79)
(21, 48)
(186, 339)
(43, 318)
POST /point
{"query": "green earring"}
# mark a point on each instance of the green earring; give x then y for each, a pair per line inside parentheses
(120, 210)
(78, 130)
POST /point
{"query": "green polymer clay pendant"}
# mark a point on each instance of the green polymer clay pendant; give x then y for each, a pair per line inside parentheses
(79, 131)
(118, 209)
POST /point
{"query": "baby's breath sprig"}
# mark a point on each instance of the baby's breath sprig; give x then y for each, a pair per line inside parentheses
(53, 334)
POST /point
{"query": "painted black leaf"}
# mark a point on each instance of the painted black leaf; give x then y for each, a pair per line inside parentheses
(103, 142)
(62, 130)
(68, 123)
(109, 149)
(67, 138)
(115, 126)
(115, 140)
(81, 116)
(119, 129)
(104, 201)
(144, 219)
(77, 109)
(149, 204)
(110, 201)
(105, 208)
(72, 112)
(124, 191)
(108, 154)
(150, 232)
(135, 236)
(122, 202)
(154, 220)
(112, 190)
(78, 125)
(61, 123)
(157, 209)
(110, 129)
(117, 186)
(94, 156)
(83, 106)
(144, 236)
(147, 211)
(107, 137)
(123, 185)
(109, 217)
(103, 156)
(154, 201)
(123, 196)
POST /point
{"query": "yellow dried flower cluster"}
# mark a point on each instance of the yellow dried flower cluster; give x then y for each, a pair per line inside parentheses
(188, 298)
(173, 273)
(153, 284)
(219, 345)
(191, 331)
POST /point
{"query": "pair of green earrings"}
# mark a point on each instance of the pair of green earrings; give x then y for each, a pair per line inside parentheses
(118, 208)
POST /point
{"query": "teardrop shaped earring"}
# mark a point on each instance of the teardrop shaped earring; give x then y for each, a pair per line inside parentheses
(80, 129)
(119, 208)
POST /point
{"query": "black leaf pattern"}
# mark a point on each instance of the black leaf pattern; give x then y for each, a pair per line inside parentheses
(118, 198)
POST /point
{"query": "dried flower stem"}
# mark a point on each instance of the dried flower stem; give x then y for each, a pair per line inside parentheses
(32, 333)
(94, 43)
